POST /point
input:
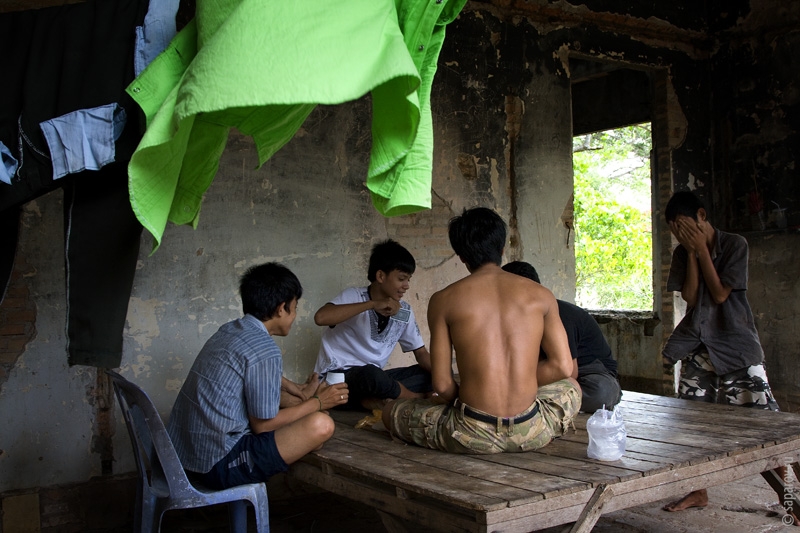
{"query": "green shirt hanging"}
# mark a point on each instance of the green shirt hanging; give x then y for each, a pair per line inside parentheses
(262, 67)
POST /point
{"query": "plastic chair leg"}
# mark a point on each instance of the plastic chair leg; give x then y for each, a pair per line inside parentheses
(237, 516)
(261, 507)
(147, 517)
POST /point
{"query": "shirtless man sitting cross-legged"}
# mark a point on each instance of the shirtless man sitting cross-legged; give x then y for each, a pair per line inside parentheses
(507, 401)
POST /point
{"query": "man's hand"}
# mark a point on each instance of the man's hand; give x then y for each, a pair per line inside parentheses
(436, 399)
(294, 394)
(387, 307)
(332, 395)
(292, 389)
(310, 386)
(688, 233)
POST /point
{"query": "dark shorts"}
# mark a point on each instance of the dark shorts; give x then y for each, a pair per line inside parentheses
(599, 387)
(369, 381)
(254, 459)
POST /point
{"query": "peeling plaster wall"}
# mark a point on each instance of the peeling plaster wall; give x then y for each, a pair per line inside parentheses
(534, 41)
(543, 170)
(728, 129)
(756, 139)
(774, 294)
(44, 404)
(501, 109)
(307, 208)
(757, 119)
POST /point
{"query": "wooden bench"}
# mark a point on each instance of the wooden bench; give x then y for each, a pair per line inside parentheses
(673, 447)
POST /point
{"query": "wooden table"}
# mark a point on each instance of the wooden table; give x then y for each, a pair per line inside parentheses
(673, 447)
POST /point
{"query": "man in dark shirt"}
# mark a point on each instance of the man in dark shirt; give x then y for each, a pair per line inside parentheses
(717, 343)
(596, 369)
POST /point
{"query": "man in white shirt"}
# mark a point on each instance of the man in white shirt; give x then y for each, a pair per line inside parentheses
(364, 326)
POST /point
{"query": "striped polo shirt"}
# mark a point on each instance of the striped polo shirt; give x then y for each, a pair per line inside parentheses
(237, 373)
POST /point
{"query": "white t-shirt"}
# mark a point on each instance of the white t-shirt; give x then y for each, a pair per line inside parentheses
(357, 342)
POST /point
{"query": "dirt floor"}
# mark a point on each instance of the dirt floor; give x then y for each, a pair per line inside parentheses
(749, 506)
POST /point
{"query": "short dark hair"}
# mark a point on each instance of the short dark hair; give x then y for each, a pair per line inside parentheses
(264, 288)
(521, 268)
(683, 203)
(389, 255)
(478, 236)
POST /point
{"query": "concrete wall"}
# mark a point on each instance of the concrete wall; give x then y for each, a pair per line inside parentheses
(756, 136)
(501, 124)
(774, 295)
(307, 208)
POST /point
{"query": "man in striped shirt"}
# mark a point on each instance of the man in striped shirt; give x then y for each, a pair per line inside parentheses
(227, 425)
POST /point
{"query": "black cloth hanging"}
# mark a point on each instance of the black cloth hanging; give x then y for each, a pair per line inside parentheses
(56, 61)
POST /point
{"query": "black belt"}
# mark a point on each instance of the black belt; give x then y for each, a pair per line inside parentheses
(498, 419)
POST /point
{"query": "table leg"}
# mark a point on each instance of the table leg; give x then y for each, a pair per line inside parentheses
(776, 479)
(593, 509)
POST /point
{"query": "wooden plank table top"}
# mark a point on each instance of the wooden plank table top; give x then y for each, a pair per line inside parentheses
(673, 447)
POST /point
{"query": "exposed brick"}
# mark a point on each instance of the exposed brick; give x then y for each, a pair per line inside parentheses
(14, 303)
(414, 231)
(17, 292)
(101, 504)
(17, 344)
(21, 513)
(8, 357)
(433, 243)
(12, 329)
(19, 316)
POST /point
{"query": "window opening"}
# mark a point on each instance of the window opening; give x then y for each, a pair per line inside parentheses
(613, 219)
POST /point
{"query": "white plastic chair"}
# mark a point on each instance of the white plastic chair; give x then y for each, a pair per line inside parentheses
(163, 484)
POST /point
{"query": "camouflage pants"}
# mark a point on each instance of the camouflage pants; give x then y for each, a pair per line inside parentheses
(746, 387)
(445, 427)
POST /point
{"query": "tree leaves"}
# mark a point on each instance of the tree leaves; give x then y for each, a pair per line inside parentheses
(613, 223)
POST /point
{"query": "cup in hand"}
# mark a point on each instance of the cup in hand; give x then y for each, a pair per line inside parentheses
(332, 378)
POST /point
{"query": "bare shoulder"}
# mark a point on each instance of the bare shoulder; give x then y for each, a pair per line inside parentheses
(445, 295)
(529, 290)
(548, 300)
(543, 292)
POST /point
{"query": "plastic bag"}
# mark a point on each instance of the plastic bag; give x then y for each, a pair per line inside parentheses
(606, 435)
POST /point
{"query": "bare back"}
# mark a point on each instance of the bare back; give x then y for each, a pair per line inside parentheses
(496, 322)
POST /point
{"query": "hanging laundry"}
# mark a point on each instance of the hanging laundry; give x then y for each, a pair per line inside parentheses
(262, 67)
(67, 123)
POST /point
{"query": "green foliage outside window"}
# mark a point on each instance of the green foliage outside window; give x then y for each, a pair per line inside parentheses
(613, 222)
